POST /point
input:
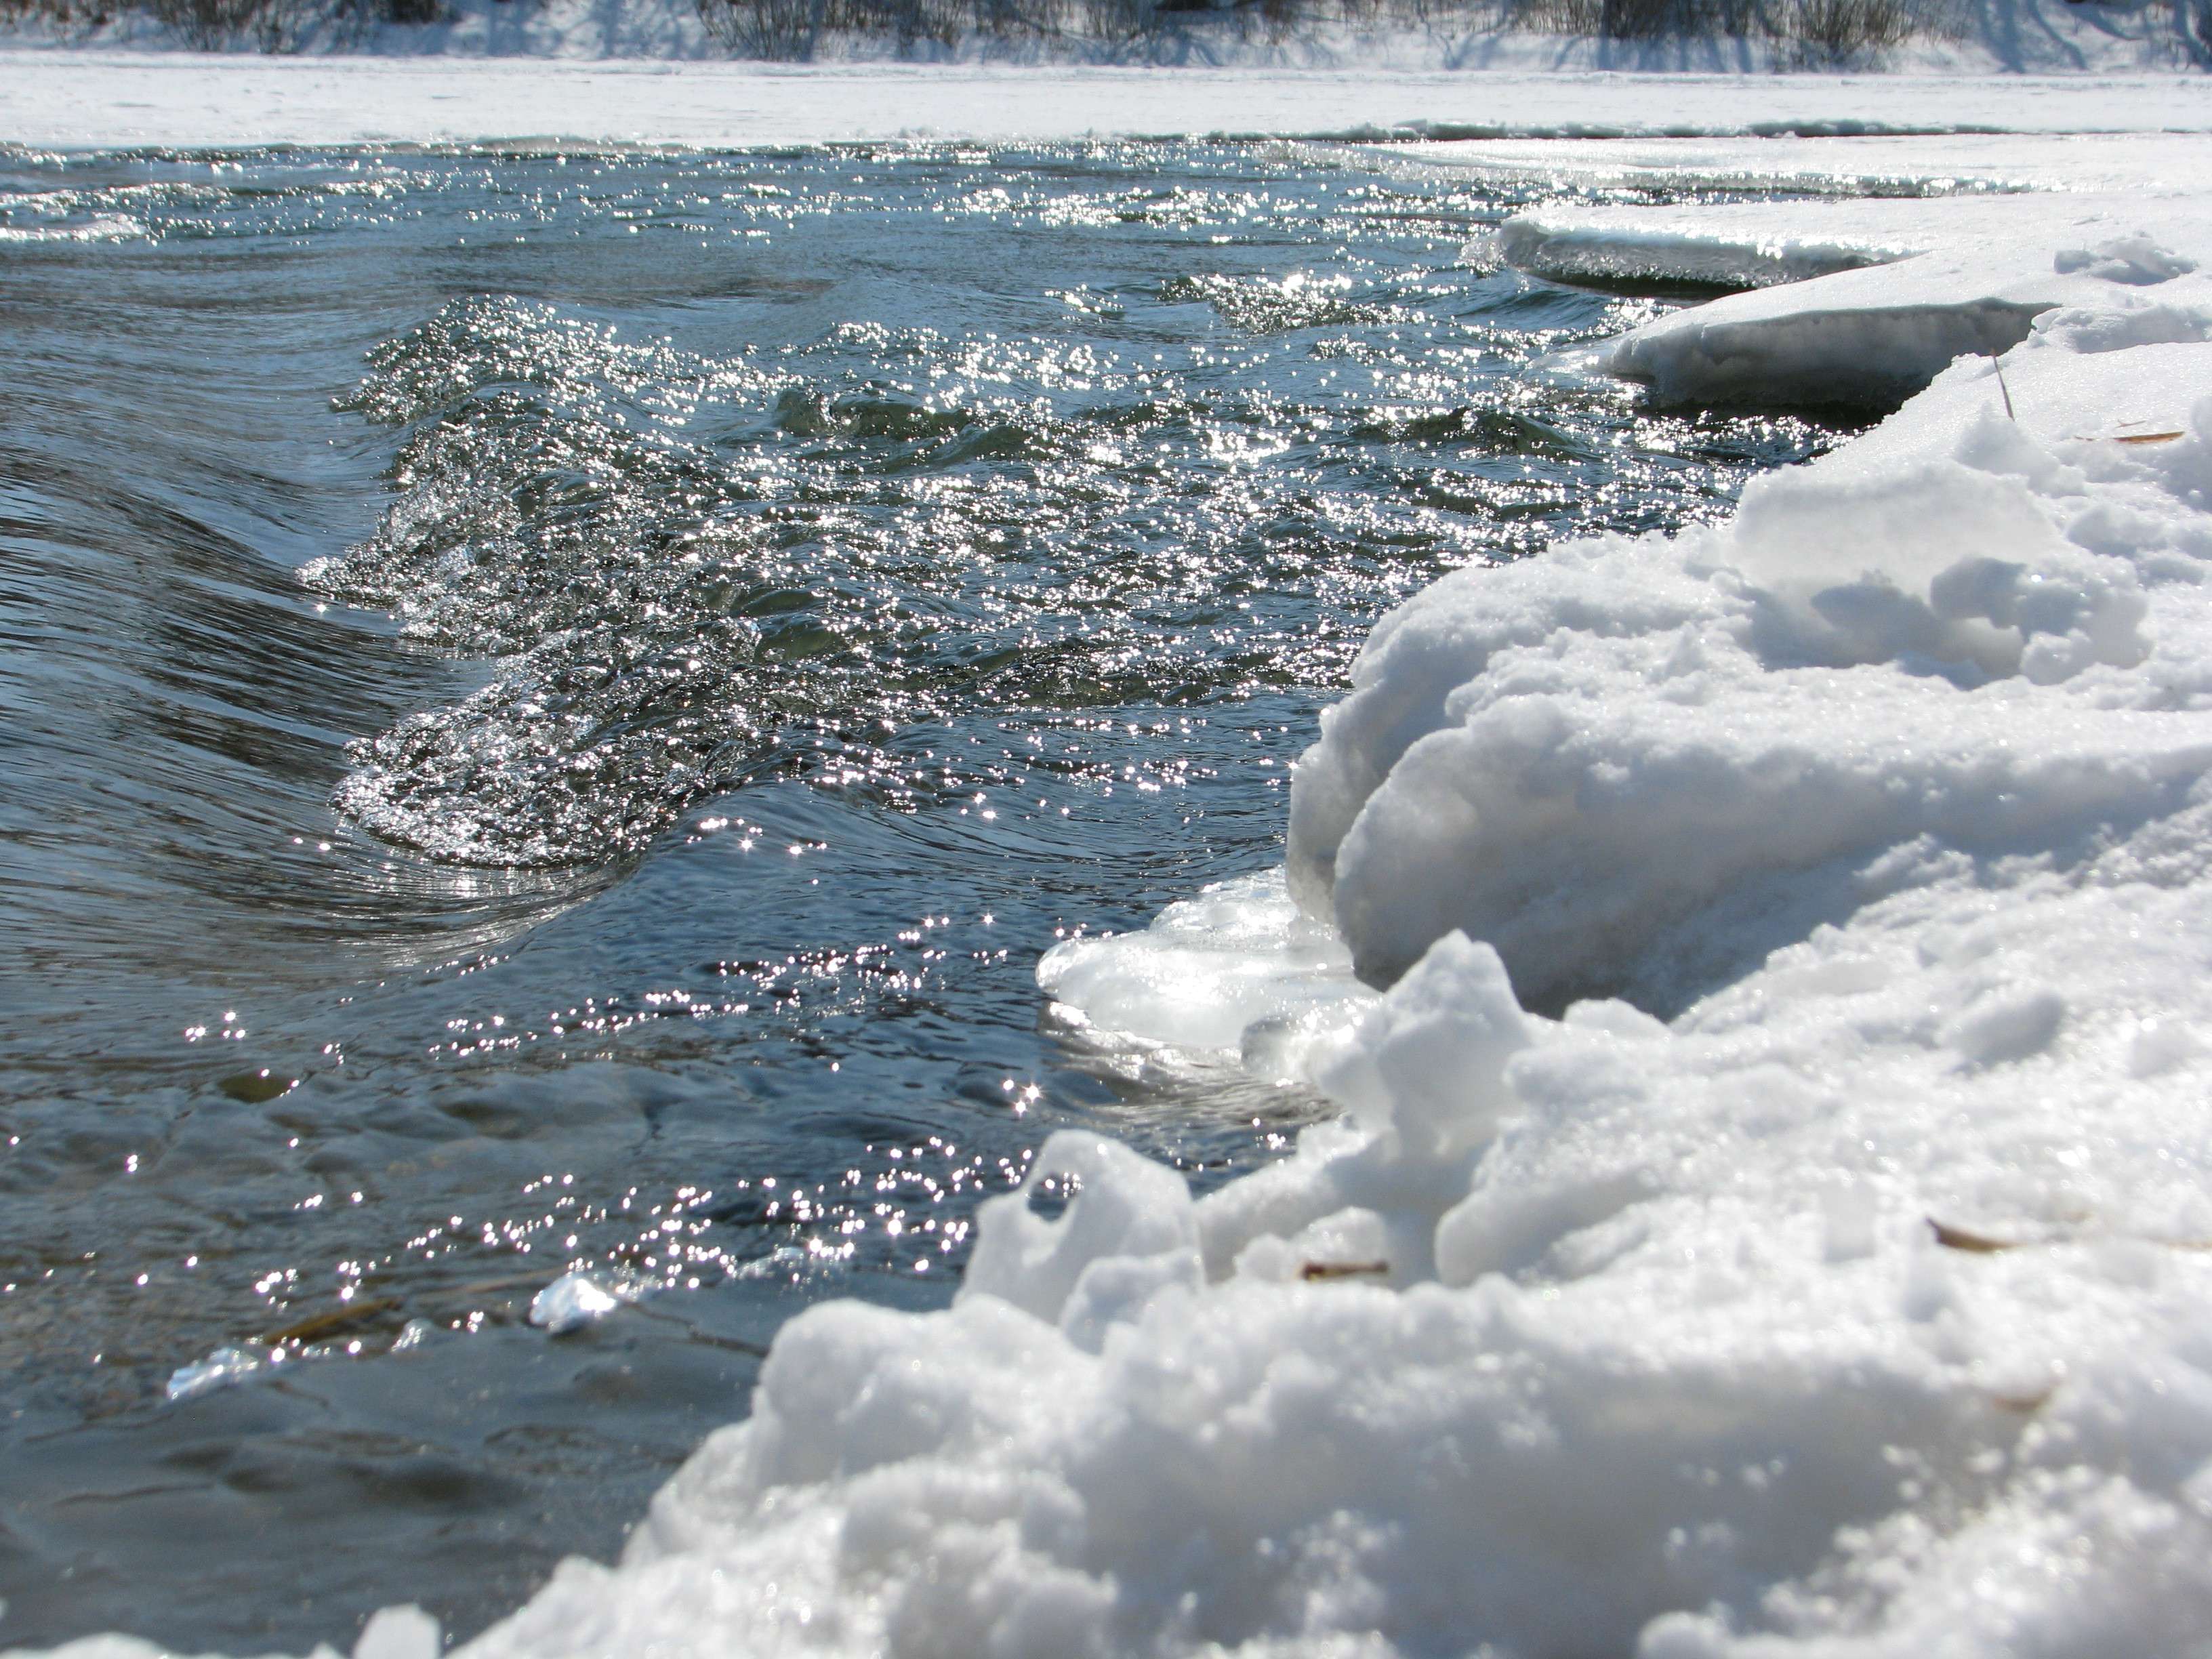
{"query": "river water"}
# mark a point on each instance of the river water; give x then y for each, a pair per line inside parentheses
(550, 703)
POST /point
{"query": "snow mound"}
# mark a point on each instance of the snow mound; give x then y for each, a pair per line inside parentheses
(1578, 1336)
(1944, 634)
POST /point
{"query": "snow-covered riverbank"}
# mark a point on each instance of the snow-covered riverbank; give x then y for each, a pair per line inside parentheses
(647, 71)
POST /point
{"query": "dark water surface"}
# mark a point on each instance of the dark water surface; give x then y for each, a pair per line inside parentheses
(549, 705)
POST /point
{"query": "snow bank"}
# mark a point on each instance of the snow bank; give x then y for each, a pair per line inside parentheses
(1942, 634)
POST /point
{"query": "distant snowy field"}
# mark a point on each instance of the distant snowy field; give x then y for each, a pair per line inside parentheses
(1772, 1211)
(68, 99)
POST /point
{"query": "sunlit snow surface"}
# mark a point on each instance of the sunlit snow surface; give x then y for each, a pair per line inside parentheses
(1769, 1213)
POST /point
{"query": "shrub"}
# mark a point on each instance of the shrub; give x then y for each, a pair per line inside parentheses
(207, 24)
(1824, 29)
(1843, 28)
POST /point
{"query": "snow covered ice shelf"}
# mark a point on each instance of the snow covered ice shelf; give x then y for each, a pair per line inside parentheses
(1773, 1209)
(1963, 269)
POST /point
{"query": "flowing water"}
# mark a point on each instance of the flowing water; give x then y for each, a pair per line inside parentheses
(549, 705)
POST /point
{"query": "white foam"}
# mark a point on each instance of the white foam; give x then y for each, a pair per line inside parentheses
(100, 227)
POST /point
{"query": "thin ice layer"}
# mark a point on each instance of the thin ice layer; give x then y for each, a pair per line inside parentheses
(1240, 969)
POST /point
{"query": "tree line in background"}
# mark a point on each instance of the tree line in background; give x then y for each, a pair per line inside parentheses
(1141, 29)
(1808, 31)
(217, 25)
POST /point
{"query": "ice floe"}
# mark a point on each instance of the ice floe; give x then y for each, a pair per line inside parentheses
(577, 1299)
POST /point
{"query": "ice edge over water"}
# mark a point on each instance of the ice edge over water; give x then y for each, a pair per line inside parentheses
(1821, 1272)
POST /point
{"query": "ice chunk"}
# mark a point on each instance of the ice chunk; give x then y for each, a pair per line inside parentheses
(1938, 281)
(1240, 969)
(1578, 251)
(1428, 1066)
(400, 1632)
(218, 1370)
(576, 1299)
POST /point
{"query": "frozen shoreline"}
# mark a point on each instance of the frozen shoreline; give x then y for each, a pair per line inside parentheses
(1887, 796)
(1874, 830)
